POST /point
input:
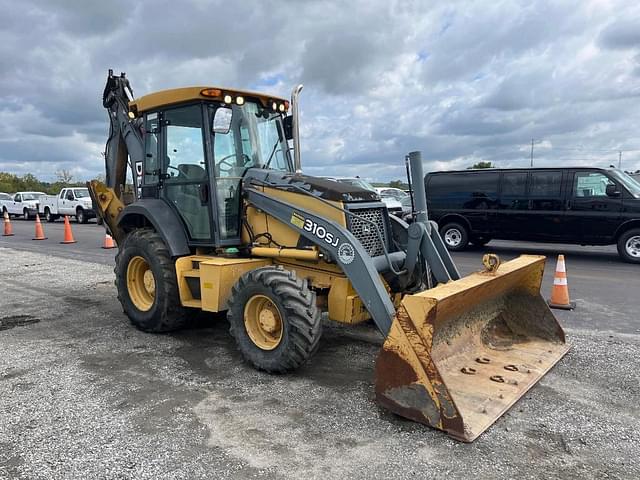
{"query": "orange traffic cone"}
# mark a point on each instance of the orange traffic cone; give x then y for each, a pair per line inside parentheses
(8, 229)
(108, 241)
(560, 290)
(68, 234)
(39, 230)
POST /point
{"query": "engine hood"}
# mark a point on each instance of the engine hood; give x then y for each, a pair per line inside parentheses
(319, 187)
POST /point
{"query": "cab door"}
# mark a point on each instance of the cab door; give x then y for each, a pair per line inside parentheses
(68, 201)
(593, 214)
(15, 207)
(185, 174)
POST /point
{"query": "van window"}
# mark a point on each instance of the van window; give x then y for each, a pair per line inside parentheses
(475, 183)
(477, 190)
(545, 184)
(514, 184)
(590, 184)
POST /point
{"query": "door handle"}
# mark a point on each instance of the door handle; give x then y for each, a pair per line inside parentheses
(568, 205)
(204, 194)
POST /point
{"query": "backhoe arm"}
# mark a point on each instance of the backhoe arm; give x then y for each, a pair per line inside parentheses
(125, 146)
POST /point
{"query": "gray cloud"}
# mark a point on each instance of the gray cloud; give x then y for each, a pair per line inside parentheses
(463, 81)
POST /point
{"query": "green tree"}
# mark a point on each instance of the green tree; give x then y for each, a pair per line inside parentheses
(481, 165)
(397, 184)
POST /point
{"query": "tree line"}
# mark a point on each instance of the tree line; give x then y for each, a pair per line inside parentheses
(11, 183)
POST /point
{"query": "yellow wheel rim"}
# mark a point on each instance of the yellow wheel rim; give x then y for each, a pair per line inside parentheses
(141, 284)
(263, 322)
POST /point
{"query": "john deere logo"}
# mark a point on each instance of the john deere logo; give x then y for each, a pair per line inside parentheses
(346, 253)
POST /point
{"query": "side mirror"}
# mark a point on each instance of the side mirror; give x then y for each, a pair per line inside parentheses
(222, 120)
(287, 123)
(612, 190)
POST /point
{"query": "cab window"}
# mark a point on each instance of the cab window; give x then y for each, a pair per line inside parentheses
(590, 184)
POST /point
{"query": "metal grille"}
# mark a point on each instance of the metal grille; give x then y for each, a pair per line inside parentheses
(365, 232)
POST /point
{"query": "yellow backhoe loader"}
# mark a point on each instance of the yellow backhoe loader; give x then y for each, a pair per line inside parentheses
(223, 219)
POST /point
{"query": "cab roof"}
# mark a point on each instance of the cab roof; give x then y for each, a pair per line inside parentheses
(186, 94)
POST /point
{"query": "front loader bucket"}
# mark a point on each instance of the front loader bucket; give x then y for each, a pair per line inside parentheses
(459, 355)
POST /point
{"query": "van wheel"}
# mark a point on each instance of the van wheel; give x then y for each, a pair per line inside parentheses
(455, 236)
(629, 246)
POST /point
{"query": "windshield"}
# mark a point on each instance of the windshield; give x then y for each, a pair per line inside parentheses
(31, 196)
(81, 192)
(255, 139)
(629, 183)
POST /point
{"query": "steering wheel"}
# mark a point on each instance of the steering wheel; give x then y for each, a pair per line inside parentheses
(226, 161)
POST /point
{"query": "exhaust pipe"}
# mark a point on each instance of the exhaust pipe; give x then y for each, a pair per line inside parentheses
(417, 180)
(296, 128)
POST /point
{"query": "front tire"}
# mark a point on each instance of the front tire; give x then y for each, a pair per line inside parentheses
(26, 214)
(81, 216)
(629, 246)
(455, 236)
(274, 319)
(147, 283)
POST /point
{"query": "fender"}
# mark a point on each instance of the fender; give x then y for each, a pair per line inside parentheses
(163, 219)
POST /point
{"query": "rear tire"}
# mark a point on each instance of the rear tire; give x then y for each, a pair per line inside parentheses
(629, 246)
(455, 236)
(48, 216)
(150, 300)
(274, 319)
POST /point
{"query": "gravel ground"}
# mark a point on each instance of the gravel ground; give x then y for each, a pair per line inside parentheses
(85, 395)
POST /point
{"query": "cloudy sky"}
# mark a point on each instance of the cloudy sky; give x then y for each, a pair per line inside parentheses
(461, 81)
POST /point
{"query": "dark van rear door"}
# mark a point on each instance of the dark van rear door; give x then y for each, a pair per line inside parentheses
(513, 207)
(546, 205)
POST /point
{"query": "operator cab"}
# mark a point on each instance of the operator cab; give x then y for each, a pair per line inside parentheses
(199, 143)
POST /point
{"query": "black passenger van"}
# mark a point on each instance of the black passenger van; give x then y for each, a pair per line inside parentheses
(585, 206)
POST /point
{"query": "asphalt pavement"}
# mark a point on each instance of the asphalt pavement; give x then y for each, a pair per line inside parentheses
(86, 395)
(601, 284)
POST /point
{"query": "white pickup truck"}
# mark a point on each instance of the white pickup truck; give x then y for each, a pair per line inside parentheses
(22, 203)
(73, 201)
